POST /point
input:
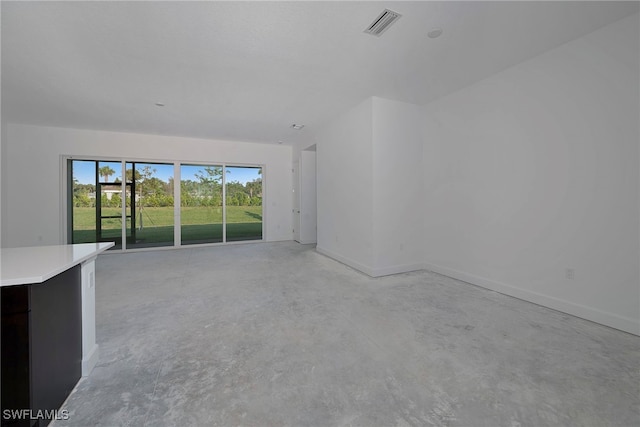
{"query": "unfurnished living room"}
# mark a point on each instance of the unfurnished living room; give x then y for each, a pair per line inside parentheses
(331, 213)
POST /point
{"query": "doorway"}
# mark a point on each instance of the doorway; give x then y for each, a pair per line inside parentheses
(304, 197)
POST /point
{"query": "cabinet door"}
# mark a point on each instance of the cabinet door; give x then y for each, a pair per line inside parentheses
(15, 351)
(41, 344)
(56, 338)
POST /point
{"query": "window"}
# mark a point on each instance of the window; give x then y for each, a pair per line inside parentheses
(244, 203)
(217, 203)
(201, 216)
(151, 204)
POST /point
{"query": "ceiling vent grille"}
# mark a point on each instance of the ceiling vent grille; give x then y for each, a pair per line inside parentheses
(382, 22)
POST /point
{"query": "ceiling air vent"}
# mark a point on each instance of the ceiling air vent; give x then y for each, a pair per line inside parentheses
(382, 22)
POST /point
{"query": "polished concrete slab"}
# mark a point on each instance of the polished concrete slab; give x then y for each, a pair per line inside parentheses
(275, 334)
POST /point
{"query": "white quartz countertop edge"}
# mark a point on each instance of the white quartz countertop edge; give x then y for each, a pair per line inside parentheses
(20, 266)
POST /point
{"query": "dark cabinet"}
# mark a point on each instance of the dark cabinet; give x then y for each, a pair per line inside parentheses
(41, 347)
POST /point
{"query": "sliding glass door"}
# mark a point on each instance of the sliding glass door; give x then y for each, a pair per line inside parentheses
(152, 205)
(96, 201)
(201, 208)
(244, 203)
(217, 203)
(109, 202)
(83, 201)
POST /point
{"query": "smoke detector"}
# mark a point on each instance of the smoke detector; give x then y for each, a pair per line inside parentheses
(382, 22)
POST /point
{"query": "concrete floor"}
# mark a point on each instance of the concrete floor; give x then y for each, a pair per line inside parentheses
(274, 334)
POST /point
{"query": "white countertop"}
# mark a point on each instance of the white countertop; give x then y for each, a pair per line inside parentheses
(19, 266)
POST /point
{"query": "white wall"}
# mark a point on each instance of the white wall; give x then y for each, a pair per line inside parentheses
(369, 187)
(535, 171)
(345, 198)
(397, 187)
(33, 174)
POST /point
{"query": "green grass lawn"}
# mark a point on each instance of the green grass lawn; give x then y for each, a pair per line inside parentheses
(199, 225)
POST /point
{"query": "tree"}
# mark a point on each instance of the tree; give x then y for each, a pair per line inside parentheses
(79, 188)
(210, 174)
(83, 200)
(129, 175)
(154, 185)
(141, 178)
(144, 176)
(210, 181)
(236, 194)
(169, 186)
(254, 188)
(116, 201)
(188, 193)
(106, 172)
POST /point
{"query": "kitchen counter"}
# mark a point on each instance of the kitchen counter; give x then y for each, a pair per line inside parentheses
(37, 264)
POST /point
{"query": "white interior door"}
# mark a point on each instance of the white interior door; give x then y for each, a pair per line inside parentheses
(307, 196)
(296, 201)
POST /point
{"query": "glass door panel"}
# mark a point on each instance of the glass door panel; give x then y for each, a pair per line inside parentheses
(200, 204)
(109, 202)
(243, 203)
(150, 210)
(83, 201)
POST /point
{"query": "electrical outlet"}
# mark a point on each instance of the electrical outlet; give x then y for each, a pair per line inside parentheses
(569, 274)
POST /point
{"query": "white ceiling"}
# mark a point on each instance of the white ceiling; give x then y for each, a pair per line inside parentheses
(248, 70)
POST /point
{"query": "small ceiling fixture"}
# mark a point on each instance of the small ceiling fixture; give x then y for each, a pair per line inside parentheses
(382, 22)
(296, 127)
(435, 33)
(159, 104)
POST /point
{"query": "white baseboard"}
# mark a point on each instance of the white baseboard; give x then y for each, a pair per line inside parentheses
(622, 323)
(90, 360)
(344, 260)
(396, 269)
(370, 271)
